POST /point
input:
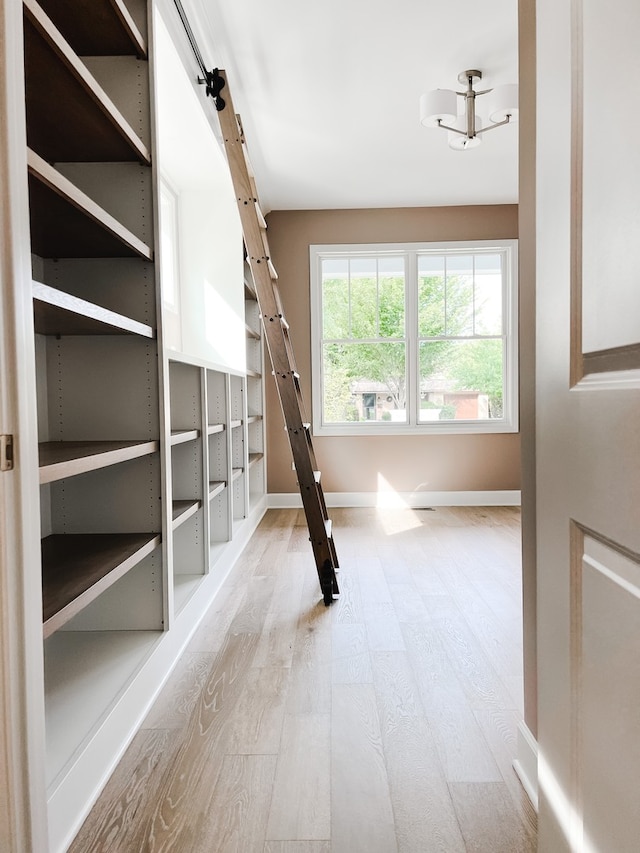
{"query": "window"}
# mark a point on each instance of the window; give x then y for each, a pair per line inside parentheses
(414, 338)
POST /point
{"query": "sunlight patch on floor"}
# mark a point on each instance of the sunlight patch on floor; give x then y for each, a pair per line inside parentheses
(395, 514)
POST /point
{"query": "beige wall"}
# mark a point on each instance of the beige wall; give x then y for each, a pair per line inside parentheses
(407, 463)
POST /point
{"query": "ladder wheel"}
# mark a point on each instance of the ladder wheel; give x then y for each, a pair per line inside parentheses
(328, 598)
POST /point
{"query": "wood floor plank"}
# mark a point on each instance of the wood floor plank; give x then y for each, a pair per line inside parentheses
(173, 824)
(361, 811)
(463, 751)
(256, 725)
(310, 683)
(297, 847)
(439, 685)
(237, 815)
(488, 821)
(373, 583)
(479, 679)
(278, 638)
(129, 794)
(287, 593)
(178, 698)
(300, 806)
(210, 635)
(407, 602)
(348, 607)
(351, 662)
(396, 690)
(425, 818)
(250, 616)
(383, 628)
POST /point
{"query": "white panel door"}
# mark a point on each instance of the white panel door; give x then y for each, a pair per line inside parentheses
(588, 425)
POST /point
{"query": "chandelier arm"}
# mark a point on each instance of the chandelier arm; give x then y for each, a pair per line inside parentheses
(454, 129)
(493, 126)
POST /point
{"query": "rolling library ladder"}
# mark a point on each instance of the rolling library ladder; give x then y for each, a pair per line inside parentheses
(276, 332)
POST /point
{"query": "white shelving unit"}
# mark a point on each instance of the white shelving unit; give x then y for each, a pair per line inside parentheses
(254, 395)
(91, 213)
(146, 487)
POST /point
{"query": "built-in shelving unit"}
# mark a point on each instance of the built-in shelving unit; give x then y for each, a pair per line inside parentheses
(150, 438)
(190, 557)
(91, 216)
(254, 392)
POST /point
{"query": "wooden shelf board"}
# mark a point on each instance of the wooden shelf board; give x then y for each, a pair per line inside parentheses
(215, 488)
(66, 223)
(254, 457)
(179, 436)
(77, 568)
(212, 429)
(252, 419)
(183, 510)
(253, 374)
(109, 30)
(249, 292)
(59, 313)
(236, 473)
(251, 333)
(70, 118)
(235, 424)
(60, 459)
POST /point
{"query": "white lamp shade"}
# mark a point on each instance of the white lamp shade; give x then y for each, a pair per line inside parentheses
(462, 143)
(440, 104)
(503, 102)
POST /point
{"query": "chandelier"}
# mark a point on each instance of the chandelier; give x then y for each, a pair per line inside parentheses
(439, 108)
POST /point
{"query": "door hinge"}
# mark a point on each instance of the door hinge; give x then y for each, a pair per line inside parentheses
(6, 452)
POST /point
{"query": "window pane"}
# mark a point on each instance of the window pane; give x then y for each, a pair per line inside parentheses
(335, 308)
(364, 382)
(364, 297)
(364, 307)
(459, 295)
(461, 380)
(391, 305)
(488, 295)
(431, 296)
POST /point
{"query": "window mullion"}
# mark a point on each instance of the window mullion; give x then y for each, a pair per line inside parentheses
(411, 336)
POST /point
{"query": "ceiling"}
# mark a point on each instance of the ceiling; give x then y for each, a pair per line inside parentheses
(328, 94)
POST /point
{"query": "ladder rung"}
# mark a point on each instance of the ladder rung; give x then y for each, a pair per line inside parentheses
(272, 270)
(317, 475)
(261, 220)
(285, 325)
(328, 524)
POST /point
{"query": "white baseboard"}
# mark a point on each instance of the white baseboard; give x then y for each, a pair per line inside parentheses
(415, 500)
(526, 764)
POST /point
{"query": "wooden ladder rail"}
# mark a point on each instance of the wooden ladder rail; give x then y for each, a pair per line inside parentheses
(280, 348)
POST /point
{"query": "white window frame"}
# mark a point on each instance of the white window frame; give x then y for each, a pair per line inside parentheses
(508, 423)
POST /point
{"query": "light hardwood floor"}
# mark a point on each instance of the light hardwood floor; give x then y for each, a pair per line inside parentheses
(385, 723)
